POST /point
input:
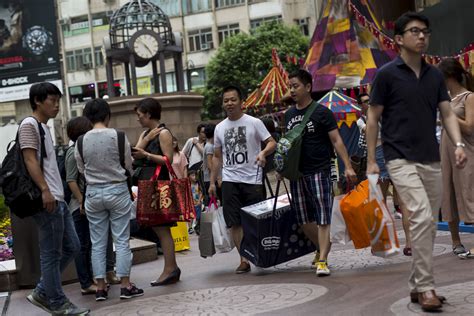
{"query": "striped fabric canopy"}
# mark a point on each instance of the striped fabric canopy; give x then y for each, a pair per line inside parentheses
(345, 109)
(343, 52)
(271, 90)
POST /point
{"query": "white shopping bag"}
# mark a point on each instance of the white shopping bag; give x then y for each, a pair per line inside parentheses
(222, 236)
(338, 233)
(383, 237)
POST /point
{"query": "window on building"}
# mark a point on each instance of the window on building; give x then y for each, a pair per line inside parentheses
(100, 20)
(79, 94)
(103, 88)
(198, 77)
(303, 25)
(228, 3)
(80, 59)
(257, 22)
(226, 31)
(99, 57)
(170, 7)
(200, 40)
(195, 6)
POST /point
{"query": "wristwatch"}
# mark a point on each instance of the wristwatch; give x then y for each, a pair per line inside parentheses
(459, 144)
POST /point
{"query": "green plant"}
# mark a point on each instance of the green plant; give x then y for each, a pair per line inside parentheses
(244, 60)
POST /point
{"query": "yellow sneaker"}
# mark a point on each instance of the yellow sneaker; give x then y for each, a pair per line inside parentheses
(322, 269)
(315, 260)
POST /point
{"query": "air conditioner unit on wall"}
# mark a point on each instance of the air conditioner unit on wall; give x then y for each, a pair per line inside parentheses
(108, 1)
(204, 46)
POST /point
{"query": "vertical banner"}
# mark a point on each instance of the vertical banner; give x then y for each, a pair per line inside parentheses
(29, 48)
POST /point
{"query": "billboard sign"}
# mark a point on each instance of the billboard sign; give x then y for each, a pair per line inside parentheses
(28, 46)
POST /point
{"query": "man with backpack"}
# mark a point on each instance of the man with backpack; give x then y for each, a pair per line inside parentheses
(237, 150)
(312, 191)
(194, 148)
(58, 240)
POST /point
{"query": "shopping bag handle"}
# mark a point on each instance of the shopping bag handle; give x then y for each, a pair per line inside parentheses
(212, 201)
(158, 170)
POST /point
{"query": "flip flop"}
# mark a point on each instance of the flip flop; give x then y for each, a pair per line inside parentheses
(466, 255)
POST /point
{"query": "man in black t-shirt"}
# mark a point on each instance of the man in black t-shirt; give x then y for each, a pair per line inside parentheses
(312, 194)
(406, 94)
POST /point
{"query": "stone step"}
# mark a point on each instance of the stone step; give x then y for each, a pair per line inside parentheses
(142, 250)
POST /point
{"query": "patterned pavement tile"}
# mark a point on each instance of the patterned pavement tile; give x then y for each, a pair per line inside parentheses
(460, 301)
(233, 300)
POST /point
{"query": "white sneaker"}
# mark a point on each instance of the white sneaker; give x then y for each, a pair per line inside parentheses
(322, 269)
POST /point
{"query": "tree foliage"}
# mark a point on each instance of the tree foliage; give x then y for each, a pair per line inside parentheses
(245, 59)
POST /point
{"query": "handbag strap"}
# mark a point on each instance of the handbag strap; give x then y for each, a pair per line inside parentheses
(158, 170)
(308, 113)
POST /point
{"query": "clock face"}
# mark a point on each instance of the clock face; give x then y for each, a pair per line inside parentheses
(145, 46)
(37, 40)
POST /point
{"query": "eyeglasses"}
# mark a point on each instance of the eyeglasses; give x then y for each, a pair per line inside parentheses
(416, 31)
(364, 101)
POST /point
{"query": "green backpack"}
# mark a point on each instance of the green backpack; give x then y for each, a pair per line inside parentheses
(288, 151)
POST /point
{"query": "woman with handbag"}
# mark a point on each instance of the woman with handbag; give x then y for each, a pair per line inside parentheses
(152, 149)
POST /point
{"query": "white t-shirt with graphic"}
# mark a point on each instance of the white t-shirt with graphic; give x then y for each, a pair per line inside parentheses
(240, 141)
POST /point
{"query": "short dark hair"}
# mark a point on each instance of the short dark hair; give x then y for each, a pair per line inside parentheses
(406, 18)
(269, 124)
(232, 88)
(360, 95)
(303, 76)
(97, 110)
(150, 106)
(78, 126)
(199, 127)
(452, 68)
(40, 91)
(209, 130)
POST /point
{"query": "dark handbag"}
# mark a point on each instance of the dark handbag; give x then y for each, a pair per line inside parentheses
(271, 234)
(164, 201)
(22, 195)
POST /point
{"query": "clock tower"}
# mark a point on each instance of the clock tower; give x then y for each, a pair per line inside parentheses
(140, 34)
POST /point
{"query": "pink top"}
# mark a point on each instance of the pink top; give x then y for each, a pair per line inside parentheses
(179, 164)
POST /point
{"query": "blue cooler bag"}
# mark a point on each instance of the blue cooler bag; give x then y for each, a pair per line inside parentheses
(271, 232)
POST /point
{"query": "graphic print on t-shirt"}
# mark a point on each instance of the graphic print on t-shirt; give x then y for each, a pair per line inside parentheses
(235, 141)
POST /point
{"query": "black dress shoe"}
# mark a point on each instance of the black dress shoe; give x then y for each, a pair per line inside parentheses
(170, 279)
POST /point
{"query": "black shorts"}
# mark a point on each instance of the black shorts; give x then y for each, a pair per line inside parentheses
(237, 195)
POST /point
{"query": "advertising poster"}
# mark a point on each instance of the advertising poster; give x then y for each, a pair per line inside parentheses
(28, 46)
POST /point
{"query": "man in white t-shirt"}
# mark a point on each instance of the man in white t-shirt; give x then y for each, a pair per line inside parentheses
(58, 241)
(194, 148)
(237, 150)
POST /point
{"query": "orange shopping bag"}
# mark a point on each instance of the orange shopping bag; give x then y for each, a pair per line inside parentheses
(383, 237)
(352, 209)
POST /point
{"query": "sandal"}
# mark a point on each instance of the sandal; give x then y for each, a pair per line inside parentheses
(407, 251)
(466, 255)
(459, 249)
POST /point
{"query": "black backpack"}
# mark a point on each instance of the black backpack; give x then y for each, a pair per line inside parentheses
(121, 149)
(22, 195)
(61, 152)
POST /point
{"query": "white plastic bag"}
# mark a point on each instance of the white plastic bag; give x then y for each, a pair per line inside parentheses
(339, 233)
(222, 236)
(383, 237)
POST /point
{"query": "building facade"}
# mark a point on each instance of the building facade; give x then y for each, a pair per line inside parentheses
(203, 25)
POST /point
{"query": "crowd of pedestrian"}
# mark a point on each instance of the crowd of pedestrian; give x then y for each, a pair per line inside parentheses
(228, 160)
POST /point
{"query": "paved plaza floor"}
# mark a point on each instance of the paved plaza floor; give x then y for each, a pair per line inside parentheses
(360, 284)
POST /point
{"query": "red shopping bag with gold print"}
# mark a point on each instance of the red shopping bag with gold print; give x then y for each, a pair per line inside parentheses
(164, 201)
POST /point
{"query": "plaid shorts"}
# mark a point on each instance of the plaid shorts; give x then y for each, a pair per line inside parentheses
(312, 198)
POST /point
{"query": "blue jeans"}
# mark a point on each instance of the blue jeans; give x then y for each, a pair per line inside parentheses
(83, 259)
(58, 244)
(109, 205)
(379, 157)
